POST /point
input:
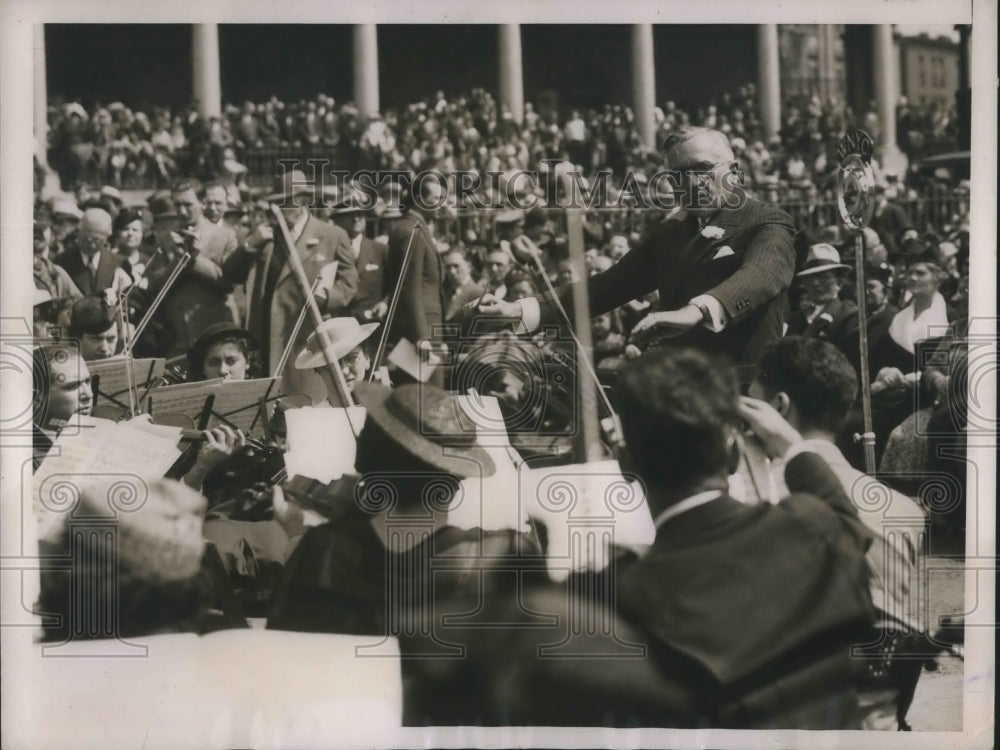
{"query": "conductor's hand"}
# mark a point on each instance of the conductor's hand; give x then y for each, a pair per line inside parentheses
(666, 323)
(498, 308)
(773, 430)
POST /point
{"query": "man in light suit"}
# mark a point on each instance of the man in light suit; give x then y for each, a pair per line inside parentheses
(276, 297)
(722, 265)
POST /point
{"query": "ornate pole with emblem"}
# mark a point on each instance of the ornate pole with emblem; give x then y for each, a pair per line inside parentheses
(855, 202)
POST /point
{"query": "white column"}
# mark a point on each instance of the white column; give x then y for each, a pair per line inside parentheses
(366, 93)
(769, 79)
(885, 61)
(207, 71)
(41, 95)
(511, 71)
(644, 83)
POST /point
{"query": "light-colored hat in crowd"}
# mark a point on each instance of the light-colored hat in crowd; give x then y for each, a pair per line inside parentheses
(95, 222)
(340, 335)
(821, 257)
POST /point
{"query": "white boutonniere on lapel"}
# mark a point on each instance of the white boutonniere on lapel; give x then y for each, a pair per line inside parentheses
(713, 233)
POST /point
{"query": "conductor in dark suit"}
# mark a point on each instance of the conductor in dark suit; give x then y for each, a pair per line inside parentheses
(91, 265)
(419, 286)
(722, 265)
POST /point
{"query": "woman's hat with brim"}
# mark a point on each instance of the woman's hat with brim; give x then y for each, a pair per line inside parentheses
(429, 424)
(341, 336)
(218, 332)
(821, 257)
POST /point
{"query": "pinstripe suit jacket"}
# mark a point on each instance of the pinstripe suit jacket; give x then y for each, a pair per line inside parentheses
(748, 269)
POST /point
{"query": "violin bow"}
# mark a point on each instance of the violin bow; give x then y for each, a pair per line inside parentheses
(299, 272)
(383, 338)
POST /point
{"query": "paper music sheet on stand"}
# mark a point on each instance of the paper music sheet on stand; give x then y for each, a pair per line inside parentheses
(406, 357)
(101, 453)
(184, 398)
(321, 441)
(237, 402)
(489, 503)
(114, 378)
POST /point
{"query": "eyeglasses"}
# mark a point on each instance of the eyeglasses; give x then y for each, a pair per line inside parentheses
(700, 170)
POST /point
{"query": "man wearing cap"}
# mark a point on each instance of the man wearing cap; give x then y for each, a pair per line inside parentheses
(275, 297)
(92, 266)
(368, 302)
(342, 338)
(48, 275)
(829, 317)
(722, 266)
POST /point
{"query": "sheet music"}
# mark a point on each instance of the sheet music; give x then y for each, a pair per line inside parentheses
(471, 508)
(101, 451)
(184, 398)
(114, 377)
(406, 357)
(321, 442)
(237, 402)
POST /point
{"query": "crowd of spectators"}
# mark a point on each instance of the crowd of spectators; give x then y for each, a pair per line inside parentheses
(118, 145)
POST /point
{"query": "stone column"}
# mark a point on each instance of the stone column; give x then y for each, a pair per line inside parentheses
(41, 125)
(885, 57)
(207, 71)
(769, 79)
(511, 71)
(644, 83)
(366, 92)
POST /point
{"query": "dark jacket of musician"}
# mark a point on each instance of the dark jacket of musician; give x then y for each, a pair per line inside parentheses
(421, 296)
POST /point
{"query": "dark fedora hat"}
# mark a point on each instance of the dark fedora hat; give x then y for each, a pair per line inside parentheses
(427, 423)
(218, 332)
(290, 184)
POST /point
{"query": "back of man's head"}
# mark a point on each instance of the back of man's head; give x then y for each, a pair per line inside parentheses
(678, 408)
(817, 378)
